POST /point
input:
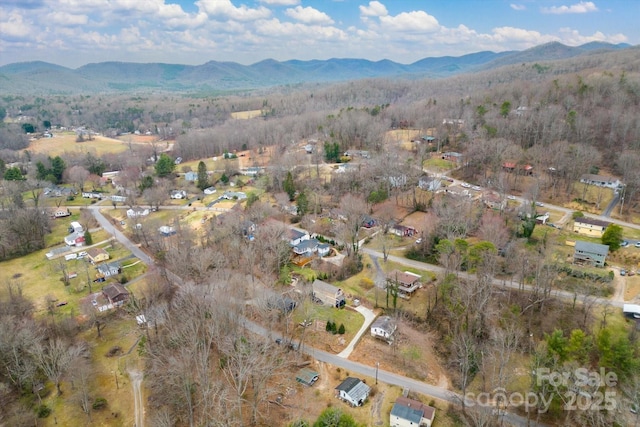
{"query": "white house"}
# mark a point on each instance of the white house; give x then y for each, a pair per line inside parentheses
(76, 227)
(384, 327)
(137, 212)
(600, 181)
(353, 391)
(209, 191)
(411, 413)
(91, 195)
(75, 239)
(429, 183)
(178, 194)
(296, 237)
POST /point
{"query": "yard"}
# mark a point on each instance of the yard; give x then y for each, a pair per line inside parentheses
(65, 142)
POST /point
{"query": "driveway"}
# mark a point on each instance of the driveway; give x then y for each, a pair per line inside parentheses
(369, 317)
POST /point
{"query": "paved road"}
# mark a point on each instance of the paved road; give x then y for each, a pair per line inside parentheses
(385, 376)
(567, 296)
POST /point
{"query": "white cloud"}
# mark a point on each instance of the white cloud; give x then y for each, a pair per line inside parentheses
(280, 2)
(517, 6)
(375, 8)
(574, 38)
(14, 26)
(66, 19)
(415, 21)
(582, 7)
(226, 9)
(308, 15)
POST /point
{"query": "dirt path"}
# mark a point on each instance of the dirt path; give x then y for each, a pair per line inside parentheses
(620, 287)
(376, 409)
(136, 381)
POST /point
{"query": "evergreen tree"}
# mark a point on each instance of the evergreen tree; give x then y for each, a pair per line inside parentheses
(13, 174)
(203, 181)
(612, 237)
(165, 165)
(57, 168)
(289, 187)
(303, 204)
(88, 240)
(341, 329)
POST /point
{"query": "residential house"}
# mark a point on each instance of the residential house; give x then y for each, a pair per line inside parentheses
(97, 255)
(601, 181)
(91, 195)
(402, 230)
(347, 167)
(115, 293)
(397, 181)
(74, 239)
(209, 191)
(166, 231)
(233, 195)
(452, 156)
(297, 236)
(542, 219)
(307, 376)
(306, 247)
(353, 390)
(406, 282)
(252, 171)
(328, 294)
(137, 212)
(590, 253)
(493, 200)
(384, 328)
(518, 168)
(109, 269)
(357, 153)
(191, 176)
(120, 199)
(590, 226)
(411, 413)
(60, 213)
(178, 194)
(429, 183)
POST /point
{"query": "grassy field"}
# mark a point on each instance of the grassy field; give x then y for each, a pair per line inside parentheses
(65, 142)
(245, 115)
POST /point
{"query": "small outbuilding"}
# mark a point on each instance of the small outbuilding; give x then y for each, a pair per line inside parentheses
(307, 376)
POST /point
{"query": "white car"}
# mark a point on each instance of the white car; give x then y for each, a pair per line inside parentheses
(539, 204)
(465, 185)
(82, 254)
(476, 188)
(511, 197)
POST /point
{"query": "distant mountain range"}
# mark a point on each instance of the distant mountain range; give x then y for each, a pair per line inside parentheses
(42, 77)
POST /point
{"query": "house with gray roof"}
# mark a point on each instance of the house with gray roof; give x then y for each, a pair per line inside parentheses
(109, 269)
(353, 391)
(384, 328)
(328, 294)
(589, 253)
(411, 413)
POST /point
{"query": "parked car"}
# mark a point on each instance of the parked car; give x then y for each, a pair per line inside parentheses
(476, 188)
(631, 273)
(539, 204)
(624, 244)
(465, 185)
(623, 272)
(82, 254)
(510, 197)
(418, 241)
(637, 245)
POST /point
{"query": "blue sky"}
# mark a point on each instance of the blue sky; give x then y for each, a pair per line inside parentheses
(75, 32)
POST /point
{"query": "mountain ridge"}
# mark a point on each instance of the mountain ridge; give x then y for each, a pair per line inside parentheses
(40, 76)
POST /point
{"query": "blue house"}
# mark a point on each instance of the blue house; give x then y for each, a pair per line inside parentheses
(191, 176)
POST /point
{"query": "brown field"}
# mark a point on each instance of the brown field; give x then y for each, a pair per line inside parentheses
(245, 115)
(66, 143)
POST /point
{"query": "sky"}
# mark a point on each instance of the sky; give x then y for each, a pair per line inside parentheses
(76, 32)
